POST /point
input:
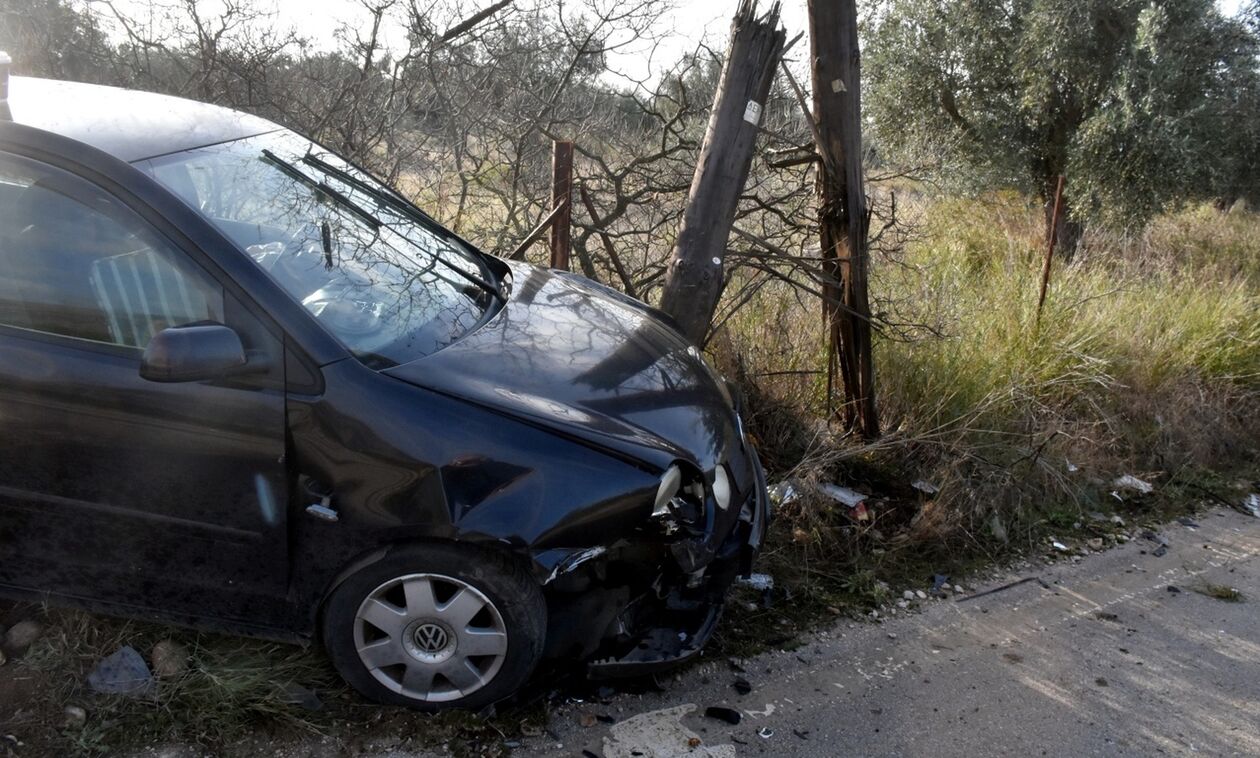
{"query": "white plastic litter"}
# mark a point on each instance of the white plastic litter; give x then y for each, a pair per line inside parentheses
(1251, 505)
(782, 493)
(926, 488)
(759, 582)
(842, 495)
(1132, 483)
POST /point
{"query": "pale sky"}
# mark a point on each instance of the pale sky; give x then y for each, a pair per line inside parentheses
(689, 22)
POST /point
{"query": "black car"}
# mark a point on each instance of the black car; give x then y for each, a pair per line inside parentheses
(245, 386)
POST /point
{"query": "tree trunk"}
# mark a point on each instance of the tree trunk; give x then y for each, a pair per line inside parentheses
(843, 216)
(695, 278)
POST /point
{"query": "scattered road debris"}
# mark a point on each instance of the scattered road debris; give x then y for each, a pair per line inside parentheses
(742, 686)
(1062, 548)
(842, 495)
(1133, 484)
(660, 734)
(1251, 505)
(721, 713)
(1003, 588)
(783, 493)
(940, 583)
(295, 694)
(758, 582)
(853, 500)
(1188, 522)
(1106, 616)
(765, 732)
(927, 488)
(123, 672)
(1174, 589)
(1072, 468)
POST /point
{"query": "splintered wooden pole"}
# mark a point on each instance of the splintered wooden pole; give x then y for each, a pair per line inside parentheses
(695, 278)
(1054, 234)
(561, 199)
(842, 211)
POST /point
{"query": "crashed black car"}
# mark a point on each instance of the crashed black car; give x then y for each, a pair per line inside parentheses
(246, 386)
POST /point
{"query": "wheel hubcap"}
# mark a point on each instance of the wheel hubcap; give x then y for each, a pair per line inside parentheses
(430, 637)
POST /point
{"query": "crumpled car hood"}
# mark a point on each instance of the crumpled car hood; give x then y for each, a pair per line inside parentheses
(587, 363)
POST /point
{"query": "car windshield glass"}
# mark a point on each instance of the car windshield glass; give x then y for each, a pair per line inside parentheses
(377, 273)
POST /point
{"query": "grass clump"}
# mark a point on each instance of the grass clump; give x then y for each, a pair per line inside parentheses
(1219, 592)
(1145, 361)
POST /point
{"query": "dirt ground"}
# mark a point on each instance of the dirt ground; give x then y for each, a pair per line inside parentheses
(1128, 651)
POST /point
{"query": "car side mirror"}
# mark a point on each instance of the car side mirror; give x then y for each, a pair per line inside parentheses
(192, 353)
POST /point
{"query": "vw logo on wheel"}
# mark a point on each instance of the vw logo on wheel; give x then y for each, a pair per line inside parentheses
(431, 638)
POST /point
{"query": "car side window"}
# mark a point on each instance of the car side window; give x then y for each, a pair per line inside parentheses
(74, 262)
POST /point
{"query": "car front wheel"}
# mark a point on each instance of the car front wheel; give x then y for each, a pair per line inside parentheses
(436, 626)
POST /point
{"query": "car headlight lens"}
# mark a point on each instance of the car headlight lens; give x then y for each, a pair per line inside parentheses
(671, 482)
(721, 487)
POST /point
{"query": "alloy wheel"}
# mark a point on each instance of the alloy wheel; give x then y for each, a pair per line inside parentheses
(430, 637)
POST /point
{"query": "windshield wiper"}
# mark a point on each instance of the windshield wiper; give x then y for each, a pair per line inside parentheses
(324, 189)
(385, 197)
(371, 219)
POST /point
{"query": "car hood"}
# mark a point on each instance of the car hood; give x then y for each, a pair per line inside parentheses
(591, 364)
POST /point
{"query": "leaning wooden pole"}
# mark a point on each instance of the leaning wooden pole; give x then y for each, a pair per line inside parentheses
(695, 279)
(842, 211)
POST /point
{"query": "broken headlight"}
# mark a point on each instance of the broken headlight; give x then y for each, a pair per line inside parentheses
(680, 499)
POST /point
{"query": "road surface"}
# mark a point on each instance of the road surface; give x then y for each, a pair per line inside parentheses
(1106, 660)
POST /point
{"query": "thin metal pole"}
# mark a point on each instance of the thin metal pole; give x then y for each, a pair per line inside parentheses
(1054, 234)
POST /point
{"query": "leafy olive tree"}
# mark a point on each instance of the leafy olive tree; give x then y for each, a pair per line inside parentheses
(1136, 101)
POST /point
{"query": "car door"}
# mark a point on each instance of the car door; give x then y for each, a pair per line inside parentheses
(114, 489)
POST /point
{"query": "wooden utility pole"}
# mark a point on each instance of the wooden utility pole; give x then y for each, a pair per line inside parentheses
(561, 200)
(843, 217)
(695, 279)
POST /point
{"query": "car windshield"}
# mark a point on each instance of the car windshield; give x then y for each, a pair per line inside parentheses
(377, 273)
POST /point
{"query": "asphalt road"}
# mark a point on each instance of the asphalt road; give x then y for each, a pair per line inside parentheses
(1105, 660)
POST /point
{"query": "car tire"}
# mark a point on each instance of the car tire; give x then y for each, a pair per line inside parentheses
(434, 626)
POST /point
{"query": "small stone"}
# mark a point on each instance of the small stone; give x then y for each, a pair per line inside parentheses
(903, 604)
(1095, 544)
(169, 658)
(892, 635)
(587, 720)
(75, 716)
(959, 589)
(920, 594)
(22, 635)
(908, 594)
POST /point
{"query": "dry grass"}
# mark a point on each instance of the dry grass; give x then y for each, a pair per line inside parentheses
(1145, 361)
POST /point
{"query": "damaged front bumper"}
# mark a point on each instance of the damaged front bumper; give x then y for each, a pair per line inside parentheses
(670, 624)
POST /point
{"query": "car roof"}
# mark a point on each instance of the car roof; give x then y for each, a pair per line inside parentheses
(128, 124)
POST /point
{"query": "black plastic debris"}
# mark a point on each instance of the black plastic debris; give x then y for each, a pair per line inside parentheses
(721, 713)
(1160, 551)
(938, 581)
(742, 686)
(1106, 616)
(765, 733)
(1187, 522)
(1174, 589)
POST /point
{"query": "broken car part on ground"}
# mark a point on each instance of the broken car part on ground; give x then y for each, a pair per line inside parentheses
(245, 386)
